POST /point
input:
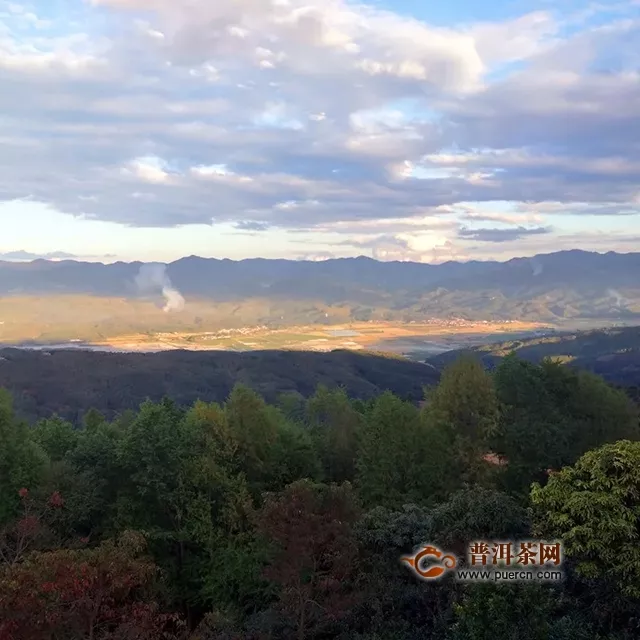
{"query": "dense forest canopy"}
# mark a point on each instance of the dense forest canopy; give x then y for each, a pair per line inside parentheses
(252, 520)
(69, 382)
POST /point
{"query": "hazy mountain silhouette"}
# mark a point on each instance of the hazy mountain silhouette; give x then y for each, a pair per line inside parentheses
(566, 284)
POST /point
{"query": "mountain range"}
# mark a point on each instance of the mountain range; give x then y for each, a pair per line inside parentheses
(547, 288)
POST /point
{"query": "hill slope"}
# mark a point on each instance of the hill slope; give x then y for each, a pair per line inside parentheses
(612, 353)
(70, 382)
(545, 288)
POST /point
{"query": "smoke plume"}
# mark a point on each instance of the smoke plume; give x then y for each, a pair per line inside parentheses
(536, 267)
(620, 299)
(153, 278)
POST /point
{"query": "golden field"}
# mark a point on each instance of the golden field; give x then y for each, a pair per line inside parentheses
(142, 325)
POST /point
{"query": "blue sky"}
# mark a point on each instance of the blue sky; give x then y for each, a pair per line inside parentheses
(410, 130)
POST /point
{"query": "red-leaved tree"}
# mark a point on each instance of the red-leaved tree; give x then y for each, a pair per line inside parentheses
(32, 529)
(101, 593)
(309, 526)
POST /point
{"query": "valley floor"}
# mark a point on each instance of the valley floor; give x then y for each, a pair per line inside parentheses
(426, 338)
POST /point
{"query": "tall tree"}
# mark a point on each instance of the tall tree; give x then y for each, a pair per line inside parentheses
(533, 433)
(254, 428)
(293, 455)
(56, 436)
(505, 612)
(310, 529)
(22, 461)
(399, 456)
(92, 477)
(180, 489)
(93, 419)
(464, 405)
(394, 604)
(551, 415)
(335, 425)
(594, 508)
(387, 445)
(477, 513)
(599, 413)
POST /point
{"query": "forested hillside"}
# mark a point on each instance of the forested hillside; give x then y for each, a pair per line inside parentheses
(248, 520)
(613, 353)
(70, 382)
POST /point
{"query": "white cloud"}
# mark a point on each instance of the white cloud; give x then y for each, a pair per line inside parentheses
(516, 40)
(324, 115)
(504, 218)
(358, 38)
(147, 170)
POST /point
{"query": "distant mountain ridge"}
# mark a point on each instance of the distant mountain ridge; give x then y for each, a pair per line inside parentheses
(546, 287)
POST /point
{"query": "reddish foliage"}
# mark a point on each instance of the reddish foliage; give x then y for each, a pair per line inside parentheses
(20, 536)
(40, 526)
(80, 593)
(56, 500)
(28, 525)
(311, 528)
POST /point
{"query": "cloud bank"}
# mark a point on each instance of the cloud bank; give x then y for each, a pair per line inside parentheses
(394, 135)
(28, 256)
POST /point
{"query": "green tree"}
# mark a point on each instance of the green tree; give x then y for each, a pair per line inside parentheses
(56, 436)
(521, 611)
(464, 405)
(594, 508)
(335, 426)
(293, 405)
(254, 428)
(533, 433)
(438, 467)
(388, 442)
(293, 455)
(394, 604)
(551, 415)
(206, 424)
(233, 579)
(91, 478)
(181, 490)
(599, 413)
(476, 513)
(22, 461)
(504, 612)
(466, 399)
(93, 419)
(400, 457)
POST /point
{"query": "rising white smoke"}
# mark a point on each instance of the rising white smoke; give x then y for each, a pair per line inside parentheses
(536, 267)
(153, 278)
(620, 299)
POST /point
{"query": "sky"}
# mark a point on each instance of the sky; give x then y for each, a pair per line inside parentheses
(308, 129)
